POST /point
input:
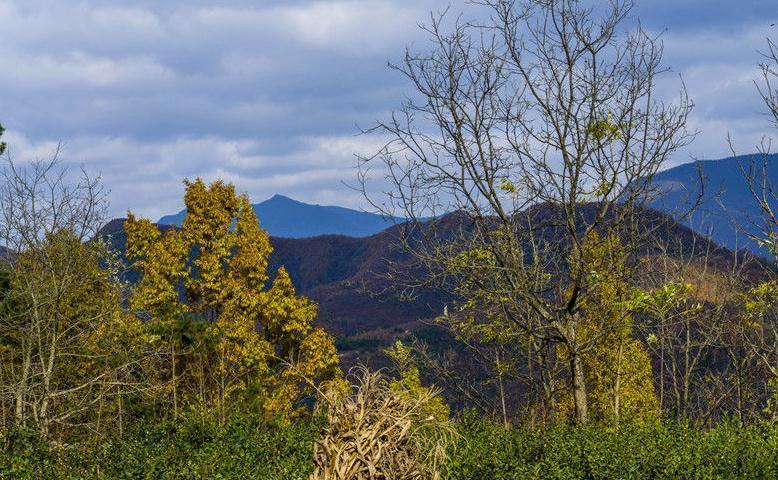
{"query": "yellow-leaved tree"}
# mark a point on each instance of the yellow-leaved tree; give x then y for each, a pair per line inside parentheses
(409, 383)
(234, 339)
(70, 358)
(617, 366)
(761, 335)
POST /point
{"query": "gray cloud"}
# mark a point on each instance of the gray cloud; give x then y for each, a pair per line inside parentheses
(268, 94)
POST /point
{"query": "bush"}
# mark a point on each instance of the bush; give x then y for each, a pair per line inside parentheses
(26, 456)
(190, 448)
(247, 447)
(647, 451)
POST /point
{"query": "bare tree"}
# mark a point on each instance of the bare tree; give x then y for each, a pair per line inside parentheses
(538, 127)
(760, 337)
(690, 322)
(757, 169)
(61, 324)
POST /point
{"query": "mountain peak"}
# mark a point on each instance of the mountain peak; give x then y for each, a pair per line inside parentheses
(282, 216)
(278, 197)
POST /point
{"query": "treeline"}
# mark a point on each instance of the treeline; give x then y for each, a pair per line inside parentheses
(596, 338)
(204, 331)
(687, 336)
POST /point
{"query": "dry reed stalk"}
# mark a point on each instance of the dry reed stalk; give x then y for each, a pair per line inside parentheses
(379, 432)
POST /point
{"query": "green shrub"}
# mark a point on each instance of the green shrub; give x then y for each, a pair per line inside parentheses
(247, 447)
(191, 448)
(26, 456)
(649, 451)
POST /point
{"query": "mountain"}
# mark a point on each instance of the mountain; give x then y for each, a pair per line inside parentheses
(6, 253)
(727, 211)
(284, 217)
(340, 258)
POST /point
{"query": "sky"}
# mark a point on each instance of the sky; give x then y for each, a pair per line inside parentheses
(270, 94)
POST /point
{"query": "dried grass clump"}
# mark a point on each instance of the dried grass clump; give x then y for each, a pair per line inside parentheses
(380, 432)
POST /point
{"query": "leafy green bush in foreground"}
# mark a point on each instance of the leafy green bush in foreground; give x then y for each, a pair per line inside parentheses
(187, 449)
(248, 448)
(653, 451)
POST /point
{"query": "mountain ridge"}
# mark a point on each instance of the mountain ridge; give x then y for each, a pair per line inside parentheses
(727, 210)
(346, 275)
(285, 217)
(351, 278)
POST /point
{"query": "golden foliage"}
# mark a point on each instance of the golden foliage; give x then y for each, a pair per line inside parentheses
(617, 367)
(409, 383)
(214, 270)
(67, 341)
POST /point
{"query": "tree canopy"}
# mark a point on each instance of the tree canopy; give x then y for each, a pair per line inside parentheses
(257, 341)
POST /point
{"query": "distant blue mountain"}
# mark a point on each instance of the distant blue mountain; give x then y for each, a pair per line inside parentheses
(284, 217)
(727, 210)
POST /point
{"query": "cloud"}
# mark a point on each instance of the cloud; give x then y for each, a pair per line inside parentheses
(151, 174)
(269, 94)
(356, 27)
(719, 71)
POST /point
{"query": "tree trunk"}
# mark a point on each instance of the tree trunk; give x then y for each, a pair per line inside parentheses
(579, 388)
(617, 387)
(175, 378)
(21, 388)
(121, 417)
(503, 408)
(662, 372)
